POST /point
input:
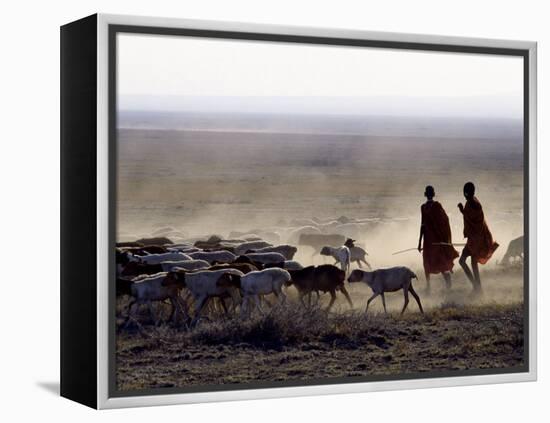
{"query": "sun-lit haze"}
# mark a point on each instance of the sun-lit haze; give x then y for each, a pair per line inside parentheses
(217, 136)
(194, 74)
(233, 140)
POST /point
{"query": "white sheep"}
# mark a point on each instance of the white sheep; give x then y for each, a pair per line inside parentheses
(292, 265)
(183, 248)
(220, 256)
(358, 254)
(514, 251)
(159, 258)
(266, 258)
(146, 289)
(203, 285)
(254, 284)
(341, 254)
(190, 265)
(388, 280)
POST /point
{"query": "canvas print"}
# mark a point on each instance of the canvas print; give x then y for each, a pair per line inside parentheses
(300, 213)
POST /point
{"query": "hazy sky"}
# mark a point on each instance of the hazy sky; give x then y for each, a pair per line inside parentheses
(182, 73)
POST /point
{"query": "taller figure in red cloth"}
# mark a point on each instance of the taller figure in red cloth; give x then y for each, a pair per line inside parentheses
(438, 252)
(480, 244)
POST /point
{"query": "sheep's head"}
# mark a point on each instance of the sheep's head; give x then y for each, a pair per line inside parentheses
(229, 280)
(325, 251)
(123, 287)
(293, 275)
(175, 278)
(292, 250)
(349, 243)
(132, 258)
(300, 275)
(288, 278)
(358, 276)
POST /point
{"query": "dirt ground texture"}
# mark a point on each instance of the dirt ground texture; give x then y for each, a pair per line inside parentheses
(290, 343)
(204, 182)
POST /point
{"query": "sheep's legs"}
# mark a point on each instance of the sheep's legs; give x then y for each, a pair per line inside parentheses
(332, 299)
(346, 294)
(152, 313)
(384, 302)
(281, 297)
(258, 303)
(370, 299)
(175, 310)
(224, 306)
(182, 306)
(406, 294)
(127, 320)
(235, 301)
(244, 306)
(367, 263)
(263, 298)
(301, 296)
(416, 297)
(198, 309)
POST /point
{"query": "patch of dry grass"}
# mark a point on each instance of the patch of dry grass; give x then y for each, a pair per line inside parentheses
(291, 343)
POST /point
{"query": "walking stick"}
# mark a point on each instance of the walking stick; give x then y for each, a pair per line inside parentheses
(435, 243)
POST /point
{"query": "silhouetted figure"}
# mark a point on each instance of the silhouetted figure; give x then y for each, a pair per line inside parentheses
(480, 244)
(438, 252)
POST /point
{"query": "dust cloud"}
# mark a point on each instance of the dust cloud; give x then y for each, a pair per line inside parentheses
(368, 184)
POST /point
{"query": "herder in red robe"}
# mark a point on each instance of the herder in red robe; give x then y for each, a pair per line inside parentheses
(480, 244)
(438, 252)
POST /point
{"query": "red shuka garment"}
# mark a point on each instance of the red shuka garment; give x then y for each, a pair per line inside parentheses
(480, 241)
(437, 258)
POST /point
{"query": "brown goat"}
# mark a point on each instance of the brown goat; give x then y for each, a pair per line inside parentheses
(324, 278)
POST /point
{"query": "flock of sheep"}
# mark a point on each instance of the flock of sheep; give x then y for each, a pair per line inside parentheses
(242, 272)
(245, 269)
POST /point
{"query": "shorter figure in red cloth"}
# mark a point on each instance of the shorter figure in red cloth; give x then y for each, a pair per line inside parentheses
(480, 244)
(438, 252)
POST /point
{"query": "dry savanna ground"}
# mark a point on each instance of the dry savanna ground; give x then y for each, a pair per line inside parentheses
(290, 343)
(266, 172)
